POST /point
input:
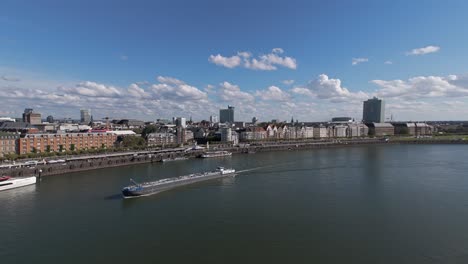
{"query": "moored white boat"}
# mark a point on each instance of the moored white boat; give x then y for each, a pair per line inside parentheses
(17, 182)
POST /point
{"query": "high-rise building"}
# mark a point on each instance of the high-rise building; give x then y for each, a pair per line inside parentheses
(181, 122)
(50, 119)
(29, 116)
(226, 115)
(180, 135)
(213, 119)
(226, 134)
(85, 116)
(374, 111)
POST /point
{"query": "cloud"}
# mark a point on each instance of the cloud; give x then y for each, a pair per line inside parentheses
(417, 98)
(329, 89)
(423, 87)
(302, 91)
(265, 62)
(124, 57)
(423, 51)
(356, 61)
(230, 92)
(277, 50)
(273, 93)
(138, 92)
(175, 89)
(388, 62)
(167, 97)
(9, 78)
(92, 89)
(288, 82)
(228, 62)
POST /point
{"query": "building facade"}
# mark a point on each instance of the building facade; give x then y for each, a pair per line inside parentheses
(226, 115)
(181, 122)
(8, 143)
(381, 129)
(373, 111)
(62, 142)
(226, 134)
(213, 119)
(253, 133)
(85, 115)
(160, 139)
(31, 117)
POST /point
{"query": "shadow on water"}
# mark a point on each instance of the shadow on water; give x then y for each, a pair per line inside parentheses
(117, 196)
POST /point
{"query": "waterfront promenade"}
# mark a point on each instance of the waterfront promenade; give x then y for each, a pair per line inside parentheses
(99, 161)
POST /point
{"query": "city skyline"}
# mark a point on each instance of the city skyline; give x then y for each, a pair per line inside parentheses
(313, 61)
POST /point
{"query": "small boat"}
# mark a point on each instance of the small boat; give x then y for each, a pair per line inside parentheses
(4, 178)
(11, 183)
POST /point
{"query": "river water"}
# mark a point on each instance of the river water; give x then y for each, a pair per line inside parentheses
(370, 204)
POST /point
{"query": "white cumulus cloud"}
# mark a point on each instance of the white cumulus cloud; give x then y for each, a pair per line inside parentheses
(172, 88)
(230, 92)
(136, 91)
(422, 87)
(356, 61)
(92, 89)
(329, 89)
(273, 93)
(228, 62)
(423, 51)
(265, 62)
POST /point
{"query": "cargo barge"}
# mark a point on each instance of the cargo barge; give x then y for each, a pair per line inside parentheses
(154, 187)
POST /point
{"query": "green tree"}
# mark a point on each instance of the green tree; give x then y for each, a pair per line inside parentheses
(72, 147)
(133, 142)
(48, 148)
(148, 129)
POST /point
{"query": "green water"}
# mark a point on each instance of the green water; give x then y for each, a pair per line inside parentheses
(376, 204)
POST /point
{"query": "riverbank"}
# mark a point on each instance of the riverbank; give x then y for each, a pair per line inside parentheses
(84, 163)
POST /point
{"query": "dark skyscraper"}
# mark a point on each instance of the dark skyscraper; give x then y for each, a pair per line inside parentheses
(226, 115)
(374, 111)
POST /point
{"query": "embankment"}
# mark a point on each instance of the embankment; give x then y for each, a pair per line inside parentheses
(125, 159)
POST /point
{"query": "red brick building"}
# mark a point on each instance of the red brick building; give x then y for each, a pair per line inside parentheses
(63, 142)
(8, 143)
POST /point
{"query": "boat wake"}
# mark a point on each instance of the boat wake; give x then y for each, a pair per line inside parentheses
(264, 167)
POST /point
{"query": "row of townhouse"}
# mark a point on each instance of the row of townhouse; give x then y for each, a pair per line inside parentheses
(301, 132)
(334, 130)
(62, 142)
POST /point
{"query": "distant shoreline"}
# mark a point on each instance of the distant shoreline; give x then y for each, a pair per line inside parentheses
(93, 162)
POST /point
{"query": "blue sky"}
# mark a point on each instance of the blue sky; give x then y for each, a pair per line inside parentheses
(59, 56)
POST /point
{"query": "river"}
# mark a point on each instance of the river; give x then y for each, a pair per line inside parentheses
(365, 204)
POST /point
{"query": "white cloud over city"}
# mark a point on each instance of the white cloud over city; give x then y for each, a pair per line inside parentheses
(319, 99)
(262, 62)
